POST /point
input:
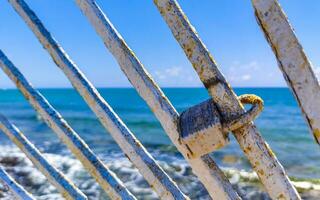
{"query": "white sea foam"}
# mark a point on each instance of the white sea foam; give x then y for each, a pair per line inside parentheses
(24, 172)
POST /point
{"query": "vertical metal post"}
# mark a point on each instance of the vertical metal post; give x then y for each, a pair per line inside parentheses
(292, 60)
(263, 161)
(205, 168)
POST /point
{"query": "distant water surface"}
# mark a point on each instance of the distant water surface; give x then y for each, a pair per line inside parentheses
(281, 124)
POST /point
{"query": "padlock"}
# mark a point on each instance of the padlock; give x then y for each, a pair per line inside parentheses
(203, 130)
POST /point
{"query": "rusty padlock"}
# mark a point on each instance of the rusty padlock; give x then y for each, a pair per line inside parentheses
(202, 129)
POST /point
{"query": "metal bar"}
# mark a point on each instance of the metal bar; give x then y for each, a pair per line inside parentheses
(64, 186)
(14, 186)
(205, 168)
(292, 60)
(152, 172)
(106, 178)
(262, 159)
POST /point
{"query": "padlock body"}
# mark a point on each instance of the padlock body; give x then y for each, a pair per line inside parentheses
(201, 129)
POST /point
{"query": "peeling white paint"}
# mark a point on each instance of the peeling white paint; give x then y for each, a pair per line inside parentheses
(105, 177)
(133, 149)
(263, 161)
(55, 177)
(205, 168)
(17, 189)
(292, 60)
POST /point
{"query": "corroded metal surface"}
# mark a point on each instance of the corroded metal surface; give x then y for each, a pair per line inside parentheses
(202, 130)
(17, 189)
(106, 178)
(130, 145)
(205, 168)
(243, 119)
(262, 159)
(293, 62)
(64, 186)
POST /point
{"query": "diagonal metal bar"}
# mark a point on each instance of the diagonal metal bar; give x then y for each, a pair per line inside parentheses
(205, 168)
(292, 60)
(14, 186)
(64, 186)
(130, 145)
(262, 159)
(106, 178)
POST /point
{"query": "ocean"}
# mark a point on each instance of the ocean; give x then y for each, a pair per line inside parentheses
(281, 125)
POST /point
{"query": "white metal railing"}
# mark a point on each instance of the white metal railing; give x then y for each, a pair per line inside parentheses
(17, 189)
(65, 187)
(293, 62)
(129, 144)
(263, 161)
(224, 109)
(107, 179)
(205, 168)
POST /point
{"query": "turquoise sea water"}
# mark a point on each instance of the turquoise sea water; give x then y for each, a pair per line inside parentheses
(281, 124)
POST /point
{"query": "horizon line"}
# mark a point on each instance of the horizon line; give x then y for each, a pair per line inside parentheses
(167, 87)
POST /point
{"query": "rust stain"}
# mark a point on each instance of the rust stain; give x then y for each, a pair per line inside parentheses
(316, 133)
(247, 149)
(261, 172)
(281, 197)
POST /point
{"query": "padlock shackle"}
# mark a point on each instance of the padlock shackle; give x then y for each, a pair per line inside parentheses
(248, 116)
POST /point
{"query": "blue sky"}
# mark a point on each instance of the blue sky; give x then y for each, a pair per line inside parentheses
(227, 27)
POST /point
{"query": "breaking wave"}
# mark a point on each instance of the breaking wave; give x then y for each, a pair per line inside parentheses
(16, 163)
